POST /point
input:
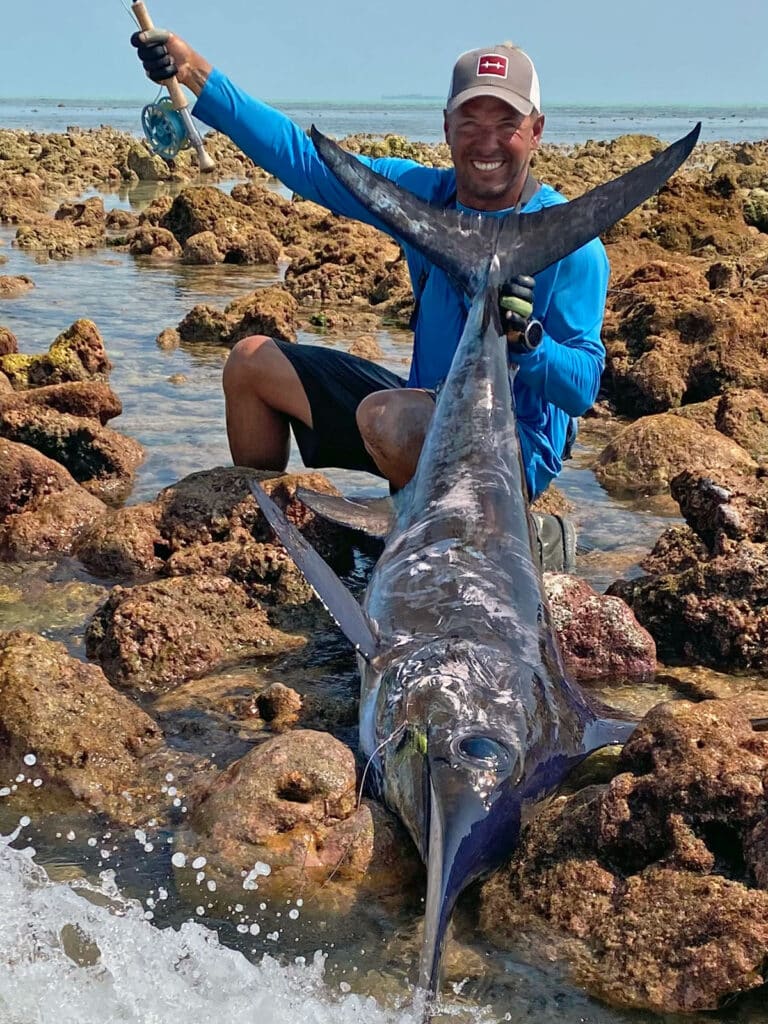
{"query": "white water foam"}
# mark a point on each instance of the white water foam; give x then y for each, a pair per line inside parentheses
(75, 954)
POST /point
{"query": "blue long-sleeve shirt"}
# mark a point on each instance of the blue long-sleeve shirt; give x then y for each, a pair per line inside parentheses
(556, 382)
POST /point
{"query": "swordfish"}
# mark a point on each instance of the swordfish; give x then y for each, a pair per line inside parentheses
(467, 716)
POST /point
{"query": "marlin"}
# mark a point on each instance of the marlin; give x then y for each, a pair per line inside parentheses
(466, 714)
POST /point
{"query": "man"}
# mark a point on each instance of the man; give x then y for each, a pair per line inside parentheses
(349, 412)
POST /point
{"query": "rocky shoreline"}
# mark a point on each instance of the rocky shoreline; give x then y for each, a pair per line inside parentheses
(210, 659)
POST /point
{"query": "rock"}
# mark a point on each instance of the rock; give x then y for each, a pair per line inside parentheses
(8, 343)
(86, 399)
(147, 166)
(644, 457)
(121, 220)
(151, 241)
(742, 415)
(270, 311)
(153, 636)
(50, 524)
(204, 324)
(88, 739)
(26, 475)
(648, 879)
(12, 287)
(98, 458)
(77, 354)
(670, 340)
(285, 819)
(217, 505)
(366, 347)
(756, 208)
(599, 636)
(123, 543)
(202, 248)
(279, 706)
(168, 339)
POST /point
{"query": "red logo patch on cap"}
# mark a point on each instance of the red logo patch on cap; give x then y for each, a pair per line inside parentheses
(492, 64)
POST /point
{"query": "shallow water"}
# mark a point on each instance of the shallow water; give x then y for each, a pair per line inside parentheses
(74, 954)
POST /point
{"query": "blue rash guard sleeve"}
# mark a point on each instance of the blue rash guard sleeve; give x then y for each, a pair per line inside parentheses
(566, 368)
(277, 144)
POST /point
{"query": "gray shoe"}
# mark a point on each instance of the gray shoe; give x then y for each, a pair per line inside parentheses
(556, 536)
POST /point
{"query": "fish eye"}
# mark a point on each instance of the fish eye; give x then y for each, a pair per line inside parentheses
(483, 751)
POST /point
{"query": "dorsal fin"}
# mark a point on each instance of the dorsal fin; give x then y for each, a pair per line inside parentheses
(463, 243)
(337, 600)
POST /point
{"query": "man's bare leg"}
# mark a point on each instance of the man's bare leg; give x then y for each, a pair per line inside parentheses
(393, 425)
(261, 391)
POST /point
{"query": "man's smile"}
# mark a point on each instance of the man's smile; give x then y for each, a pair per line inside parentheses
(487, 165)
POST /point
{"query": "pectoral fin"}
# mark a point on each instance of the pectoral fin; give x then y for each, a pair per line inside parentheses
(337, 600)
(371, 516)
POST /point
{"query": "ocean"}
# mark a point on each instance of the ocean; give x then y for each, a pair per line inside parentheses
(418, 120)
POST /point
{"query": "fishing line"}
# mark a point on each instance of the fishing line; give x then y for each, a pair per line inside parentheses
(394, 735)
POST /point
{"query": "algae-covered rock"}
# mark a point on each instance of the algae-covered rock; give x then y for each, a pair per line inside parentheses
(77, 354)
(12, 287)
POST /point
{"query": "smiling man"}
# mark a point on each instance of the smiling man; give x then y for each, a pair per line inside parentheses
(349, 412)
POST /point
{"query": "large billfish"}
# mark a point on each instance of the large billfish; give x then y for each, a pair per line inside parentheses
(465, 708)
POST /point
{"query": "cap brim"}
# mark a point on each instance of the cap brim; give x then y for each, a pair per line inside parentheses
(512, 99)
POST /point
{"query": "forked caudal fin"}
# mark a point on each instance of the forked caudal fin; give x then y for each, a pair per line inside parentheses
(339, 603)
(463, 243)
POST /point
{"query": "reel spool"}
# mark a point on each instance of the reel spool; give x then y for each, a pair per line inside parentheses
(164, 128)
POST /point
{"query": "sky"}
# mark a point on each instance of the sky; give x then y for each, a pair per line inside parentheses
(702, 52)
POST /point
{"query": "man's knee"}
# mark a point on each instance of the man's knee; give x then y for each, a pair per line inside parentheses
(396, 419)
(247, 360)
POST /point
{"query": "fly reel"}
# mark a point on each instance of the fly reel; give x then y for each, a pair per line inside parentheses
(164, 128)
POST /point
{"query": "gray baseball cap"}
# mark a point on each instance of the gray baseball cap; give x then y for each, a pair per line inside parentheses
(504, 71)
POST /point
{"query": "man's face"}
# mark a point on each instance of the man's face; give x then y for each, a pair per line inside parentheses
(491, 145)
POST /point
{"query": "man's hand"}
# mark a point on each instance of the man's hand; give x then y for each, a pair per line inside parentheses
(523, 333)
(165, 55)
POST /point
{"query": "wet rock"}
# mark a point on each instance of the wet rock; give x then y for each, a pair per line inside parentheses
(216, 505)
(645, 456)
(599, 636)
(647, 879)
(88, 740)
(42, 509)
(285, 819)
(230, 228)
(121, 220)
(279, 706)
(99, 458)
(75, 226)
(168, 339)
(123, 543)
(202, 248)
(151, 241)
(204, 324)
(153, 636)
(77, 354)
(87, 399)
(12, 287)
(5, 384)
(676, 550)
(691, 217)
(8, 343)
(147, 166)
(268, 311)
(366, 347)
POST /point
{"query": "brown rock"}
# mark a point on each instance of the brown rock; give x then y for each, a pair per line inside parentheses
(153, 636)
(8, 343)
(279, 706)
(123, 543)
(743, 416)
(77, 354)
(98, 457)
(367, 347)
(152, 241)
(645, 456)
(290, 805)
(269, 311)
(168, 339)
(87, 399)
(88, 739)
(12, 287)
(599, 636)
(202, 248)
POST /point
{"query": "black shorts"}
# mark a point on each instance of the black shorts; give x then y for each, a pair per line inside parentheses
(335, 383)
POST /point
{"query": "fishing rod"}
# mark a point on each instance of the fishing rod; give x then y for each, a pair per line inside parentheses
(168, 124)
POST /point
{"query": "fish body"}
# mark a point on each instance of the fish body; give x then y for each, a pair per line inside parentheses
(467, 716)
